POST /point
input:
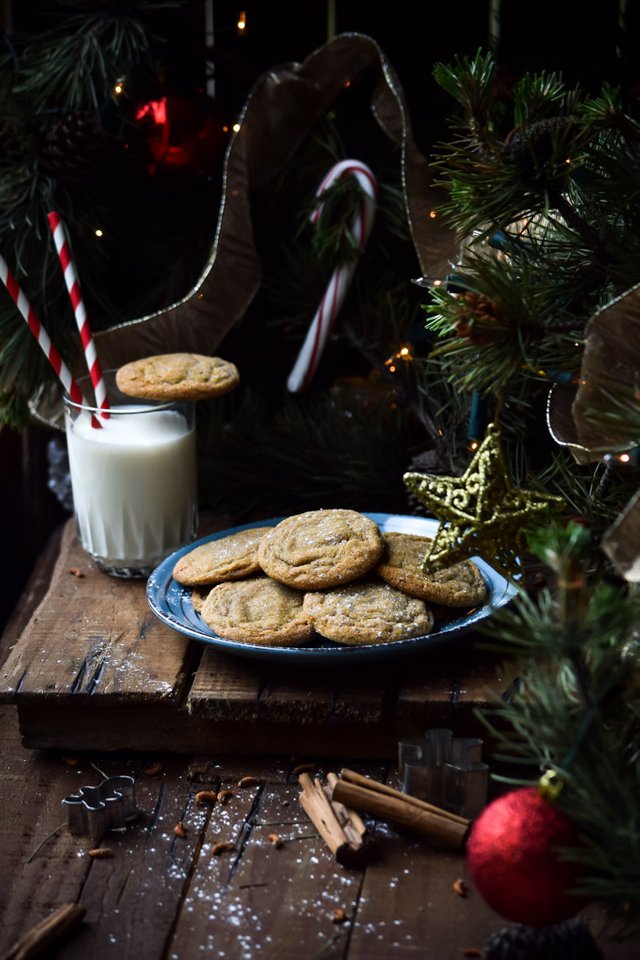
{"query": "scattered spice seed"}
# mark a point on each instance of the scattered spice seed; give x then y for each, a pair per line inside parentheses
(206, 796)
(153, 771)
(459, 887)
(339, 915)
(247, 782)
(100, 853)
(180, 830)
(76, 572)
(275, 839)
(221, 847)
(224, 795)
(304, 768)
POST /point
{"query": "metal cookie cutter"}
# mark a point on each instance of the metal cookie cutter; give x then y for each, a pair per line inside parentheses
(445, 770)
(109, 806)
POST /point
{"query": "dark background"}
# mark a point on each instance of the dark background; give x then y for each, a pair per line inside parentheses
(585, 43)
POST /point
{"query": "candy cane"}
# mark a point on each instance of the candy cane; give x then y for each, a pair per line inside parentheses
(325, 316)
(63, 247)
(49, 349)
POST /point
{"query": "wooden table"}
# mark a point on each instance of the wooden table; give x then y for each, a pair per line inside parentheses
(93, 685)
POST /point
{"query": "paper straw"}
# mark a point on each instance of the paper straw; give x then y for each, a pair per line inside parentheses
(41, 335)
(325, 316)
(63, 247)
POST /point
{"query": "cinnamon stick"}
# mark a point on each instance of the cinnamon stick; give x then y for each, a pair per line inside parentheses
(352, 824)
(348, 850)
(437, 828)
(352, 776)
(46, 933)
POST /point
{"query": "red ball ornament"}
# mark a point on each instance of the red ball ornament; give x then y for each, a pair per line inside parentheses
(184, 134)
(513, 861)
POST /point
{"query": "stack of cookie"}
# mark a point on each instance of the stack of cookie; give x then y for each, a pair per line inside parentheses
(329, 573)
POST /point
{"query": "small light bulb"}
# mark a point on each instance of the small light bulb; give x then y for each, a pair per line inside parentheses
(433, 214)
(99, 232)
(242, 21)
(118, 87)
(624, 458)
(236, 127)
(473, 445)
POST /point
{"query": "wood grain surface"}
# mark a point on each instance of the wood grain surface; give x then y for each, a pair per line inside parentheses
(161, 896)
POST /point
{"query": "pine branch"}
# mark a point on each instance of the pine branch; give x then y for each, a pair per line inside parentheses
(575, 708)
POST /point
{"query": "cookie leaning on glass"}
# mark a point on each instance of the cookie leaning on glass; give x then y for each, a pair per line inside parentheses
(177, 376)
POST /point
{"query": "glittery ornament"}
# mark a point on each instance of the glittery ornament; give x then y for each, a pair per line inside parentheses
(482, 513)
(513, 859)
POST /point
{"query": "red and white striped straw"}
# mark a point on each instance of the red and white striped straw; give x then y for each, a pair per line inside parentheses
(63, 247)
(337, 288)
(41, 335)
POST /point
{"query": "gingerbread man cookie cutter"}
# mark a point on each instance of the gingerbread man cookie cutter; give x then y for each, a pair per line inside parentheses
(111, 805)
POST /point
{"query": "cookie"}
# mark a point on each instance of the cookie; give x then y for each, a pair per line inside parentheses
(234, 557)
(321, 548)
(367, 613)
(460, 585)
(177, 376)
(198, 597)
(259, 611)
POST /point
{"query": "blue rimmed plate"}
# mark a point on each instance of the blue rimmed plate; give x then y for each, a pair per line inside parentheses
(171, 603)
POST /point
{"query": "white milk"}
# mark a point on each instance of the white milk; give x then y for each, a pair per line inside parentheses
(134, 486)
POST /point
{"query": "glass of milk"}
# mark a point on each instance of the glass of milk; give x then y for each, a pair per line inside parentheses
(133, 479)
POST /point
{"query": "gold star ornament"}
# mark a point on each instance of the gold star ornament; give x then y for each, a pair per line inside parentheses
(481, 513)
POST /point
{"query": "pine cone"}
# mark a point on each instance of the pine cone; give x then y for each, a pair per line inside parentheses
(533, 147)
(73, 147)
(570, 940)
(12, 148)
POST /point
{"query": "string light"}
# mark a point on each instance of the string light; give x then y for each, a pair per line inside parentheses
(242, 21)
(404, 353)
(473, 445)
(433, 214)
(118, 87)
(99, 232)
(236, 127)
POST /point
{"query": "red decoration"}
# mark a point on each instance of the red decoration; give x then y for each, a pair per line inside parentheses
(184, 134)
(513, 861)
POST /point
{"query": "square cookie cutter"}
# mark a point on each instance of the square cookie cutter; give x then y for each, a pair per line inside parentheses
(445, 770)
(109, 806)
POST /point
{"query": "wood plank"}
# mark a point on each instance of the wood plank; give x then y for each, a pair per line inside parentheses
(224, 687)
(33, 787)
(94, 635)
(446, 686)
(272, 902)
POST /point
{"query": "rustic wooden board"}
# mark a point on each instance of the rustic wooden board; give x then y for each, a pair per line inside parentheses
(162, 896)
(94, 636)
(93, 668)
